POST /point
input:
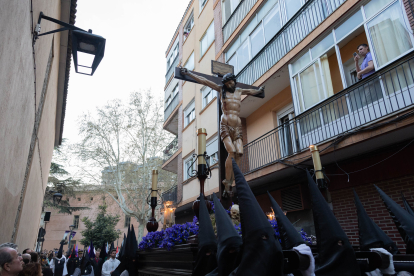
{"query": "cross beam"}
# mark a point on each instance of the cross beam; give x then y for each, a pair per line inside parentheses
(217, 80)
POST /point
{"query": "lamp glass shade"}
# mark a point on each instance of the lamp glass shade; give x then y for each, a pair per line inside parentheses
(87, 50)
(71, 227)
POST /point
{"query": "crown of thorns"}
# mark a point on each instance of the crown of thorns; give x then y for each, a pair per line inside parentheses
(228, 77)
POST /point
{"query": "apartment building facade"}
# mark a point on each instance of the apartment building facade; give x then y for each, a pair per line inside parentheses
(34, 77)
(189, 106)
(302, 52)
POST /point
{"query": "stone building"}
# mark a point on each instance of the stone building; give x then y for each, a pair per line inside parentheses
(302, 52)
(34, 85)
(59, 223)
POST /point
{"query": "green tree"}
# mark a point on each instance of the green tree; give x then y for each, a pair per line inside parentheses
(60, 181)
(101, 230)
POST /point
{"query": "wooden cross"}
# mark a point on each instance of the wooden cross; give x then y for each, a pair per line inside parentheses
(219, 69)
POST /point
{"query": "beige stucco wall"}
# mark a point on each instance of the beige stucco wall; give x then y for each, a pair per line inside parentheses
(191, 190)
(17, 113)
(207, 117)
(264, 118)
(59, 223)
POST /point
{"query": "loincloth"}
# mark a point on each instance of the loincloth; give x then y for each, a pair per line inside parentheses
(234, 132)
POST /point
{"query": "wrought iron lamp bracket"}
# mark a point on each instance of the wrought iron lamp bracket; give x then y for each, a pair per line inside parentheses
(194, 172)
(159, 201)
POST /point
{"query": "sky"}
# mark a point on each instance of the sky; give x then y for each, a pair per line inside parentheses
(137, 34)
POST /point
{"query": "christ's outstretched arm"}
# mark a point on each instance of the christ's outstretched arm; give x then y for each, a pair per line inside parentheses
(200, 79)
(252, 91)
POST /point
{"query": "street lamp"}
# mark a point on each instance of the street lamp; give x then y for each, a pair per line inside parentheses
(71, 227)
(57, 197)
(90, 46)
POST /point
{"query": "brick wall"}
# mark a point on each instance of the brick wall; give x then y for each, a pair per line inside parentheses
(409, 8)
(345, 211)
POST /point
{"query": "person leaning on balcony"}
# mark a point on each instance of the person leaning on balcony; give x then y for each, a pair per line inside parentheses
(367, 67)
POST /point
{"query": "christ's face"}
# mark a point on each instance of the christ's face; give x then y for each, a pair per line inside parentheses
(231, 85)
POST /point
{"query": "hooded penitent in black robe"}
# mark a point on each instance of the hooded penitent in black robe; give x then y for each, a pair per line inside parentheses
(370, 235)
(207, 245)
(288, 234)
(261, 253)
(85, 268)
(72, 263)
(407, 205)
(335, 253)
(59, 262)
(402, 219)
(128, 255)
(229, 242)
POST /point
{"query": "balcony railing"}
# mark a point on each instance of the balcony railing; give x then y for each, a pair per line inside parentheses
(387, 91)
(171, 70)
(170, 108)
(293, 32)
(237, 17)
(171, 149)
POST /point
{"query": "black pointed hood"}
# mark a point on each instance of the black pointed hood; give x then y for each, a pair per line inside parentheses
(207, 245)
(288, 234)
(402, 219)
(122, 251)
(370, 235)
(133, 245)
(112, 247)
(229, 241)
(103, 254)
(407, 205)
(85, 265)
(333, 258)
(60, 252)
(262, 253)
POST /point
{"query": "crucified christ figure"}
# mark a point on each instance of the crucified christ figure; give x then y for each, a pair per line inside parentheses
(230, 123)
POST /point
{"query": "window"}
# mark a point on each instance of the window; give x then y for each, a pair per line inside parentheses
(76, 222)
(350, 24)
(190, 63)
(292, 6)
(188, 26)
(72, 243)
(257, 33)
(79, 199)
(207, 39)
(202, 4)
(187, 165)
(168, 101)
(208, 95)
(189, 113)
(173, 54)
(389, 35)
(212, 151)
(322, 71)
(127, 221)
(228, 7)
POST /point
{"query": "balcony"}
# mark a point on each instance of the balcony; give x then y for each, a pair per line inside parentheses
(293, 32)
(237, 17)
(171, 149)
(170, 108)
(386, 92)
(170, 71)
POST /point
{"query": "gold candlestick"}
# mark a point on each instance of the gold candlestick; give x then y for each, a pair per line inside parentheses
(316, 161)
(201, 134)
